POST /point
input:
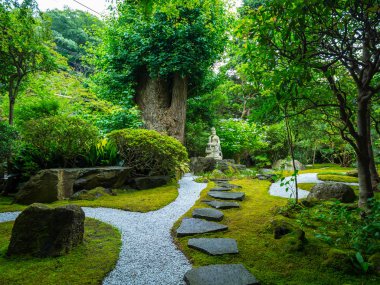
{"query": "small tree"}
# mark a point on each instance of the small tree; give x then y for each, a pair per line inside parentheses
(25, 46)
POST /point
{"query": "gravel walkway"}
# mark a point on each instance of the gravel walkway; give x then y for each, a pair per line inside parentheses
(148, 254)
(280, 191)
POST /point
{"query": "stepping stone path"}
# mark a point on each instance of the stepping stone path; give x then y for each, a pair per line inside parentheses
(227, 196)
(214, 246)
(194, 226)
(222, 205)
(220, 274)
(208, 214)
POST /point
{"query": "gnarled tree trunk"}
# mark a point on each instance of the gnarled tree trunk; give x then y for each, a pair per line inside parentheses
(163, 103)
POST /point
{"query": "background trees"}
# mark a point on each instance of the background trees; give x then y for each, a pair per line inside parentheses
(25, 46)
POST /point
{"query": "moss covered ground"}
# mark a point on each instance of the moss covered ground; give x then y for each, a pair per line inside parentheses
(264, 256)
(87, 264)
(129, 200)
(337, 178)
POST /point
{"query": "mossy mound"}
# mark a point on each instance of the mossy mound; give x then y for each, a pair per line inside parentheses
(339, 260)
(92, 194)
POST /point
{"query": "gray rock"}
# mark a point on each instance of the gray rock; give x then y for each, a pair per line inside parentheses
(288, 165)
(221, 189)
(50, 185)
(222, 205)
(220, 274)
(42, 231)
(199, 165)
(228, 185)
(208, 214)
(214, 246)
(227, 195)
(326, 191)
(148, 182)
(192, 226)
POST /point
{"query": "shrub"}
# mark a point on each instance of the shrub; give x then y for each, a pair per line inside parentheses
(59, 140)
(149, 152)
(7, 136)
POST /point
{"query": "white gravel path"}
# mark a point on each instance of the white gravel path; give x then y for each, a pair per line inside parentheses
(148, 254)
(280, 191)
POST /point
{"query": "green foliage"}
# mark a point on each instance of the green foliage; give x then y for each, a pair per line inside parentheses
(72, 30)
(122, 118)
(174, 37)
(102, 153)
(38, 109)
(240, 139)
(150, 153)
(7, 138)
(58, 140)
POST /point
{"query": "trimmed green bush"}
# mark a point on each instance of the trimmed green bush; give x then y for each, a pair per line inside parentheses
(58, 141)
(148, 152)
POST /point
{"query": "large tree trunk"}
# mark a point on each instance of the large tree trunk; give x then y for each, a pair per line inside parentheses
(363, 155)
(163, 104)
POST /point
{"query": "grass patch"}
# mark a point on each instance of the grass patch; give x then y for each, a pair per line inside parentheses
(259, 251)
(306, 186)
(86, 264)
(337, 178)
(129, 200)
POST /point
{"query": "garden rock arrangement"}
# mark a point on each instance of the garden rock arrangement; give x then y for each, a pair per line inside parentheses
(199, 165)
(50, 185)
(234, 274)
(326, 191)
(42, 231)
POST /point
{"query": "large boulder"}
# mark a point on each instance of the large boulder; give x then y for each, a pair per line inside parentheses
(42, 231)
(288, 165)
(327, 191)
(199, 165)
(148, 182)
(50, 185)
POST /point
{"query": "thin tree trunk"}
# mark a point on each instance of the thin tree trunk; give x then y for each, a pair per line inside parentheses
(11, 110)
(363, 155)
(372, 165)
(163, 104)
(290, 141)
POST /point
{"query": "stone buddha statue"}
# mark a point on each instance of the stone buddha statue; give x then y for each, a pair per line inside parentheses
(213, 148)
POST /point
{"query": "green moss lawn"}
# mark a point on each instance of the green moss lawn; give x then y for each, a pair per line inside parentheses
(129, 200)
(87, 264)
(259, 251)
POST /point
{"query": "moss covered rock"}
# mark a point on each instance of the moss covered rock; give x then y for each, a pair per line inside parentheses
(327, 191)
(338, 259)
(92, 194)
(374, 262)
(292, 238)
(42, 231)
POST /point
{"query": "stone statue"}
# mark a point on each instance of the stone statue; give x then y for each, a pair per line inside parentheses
(213, 148)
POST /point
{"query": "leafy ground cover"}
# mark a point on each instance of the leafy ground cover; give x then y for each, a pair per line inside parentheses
(87, 264)
(131, 200)
(264, 256)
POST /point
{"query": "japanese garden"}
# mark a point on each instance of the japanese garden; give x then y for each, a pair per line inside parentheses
(200, 142)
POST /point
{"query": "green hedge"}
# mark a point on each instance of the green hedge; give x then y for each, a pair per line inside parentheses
(150, 153)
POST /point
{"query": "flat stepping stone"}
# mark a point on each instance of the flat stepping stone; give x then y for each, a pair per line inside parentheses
(220, 274)
(208, 214)
(227, 195)
(222, 205)
(220, 179)
(220, 189)
(214, 246)
(227, 185)
(192, 226)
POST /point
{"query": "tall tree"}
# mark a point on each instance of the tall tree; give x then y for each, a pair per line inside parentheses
(159, 49)
(328, 37)
(25, 46)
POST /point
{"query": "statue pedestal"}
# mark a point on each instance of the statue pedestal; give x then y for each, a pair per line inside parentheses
(199, 165)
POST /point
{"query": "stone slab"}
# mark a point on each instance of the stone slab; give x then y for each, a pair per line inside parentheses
(194, 226)
(221, 189)
(220, 274)
(214, 246)
(208, 214)
(228, 185)
(227, 195)
(222, 205)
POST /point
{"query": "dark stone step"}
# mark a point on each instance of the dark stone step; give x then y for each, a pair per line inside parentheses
(214, 246)
(220, 189)
(208, 214)
(222, 205)
(192, 226)
(220, 274)
(227, 195)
